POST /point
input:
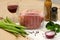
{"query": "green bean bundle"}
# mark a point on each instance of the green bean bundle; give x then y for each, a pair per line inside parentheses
(8, 25)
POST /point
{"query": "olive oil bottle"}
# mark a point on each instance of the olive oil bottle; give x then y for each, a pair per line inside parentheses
(47, 8)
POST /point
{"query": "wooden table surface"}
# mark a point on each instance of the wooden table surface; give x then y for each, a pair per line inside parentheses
(23, 4)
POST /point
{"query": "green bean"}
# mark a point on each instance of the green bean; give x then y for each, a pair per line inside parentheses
(12, 31)
(9, 20)
(7, 28)
(14, 25)
(10, 26)
(6, 21)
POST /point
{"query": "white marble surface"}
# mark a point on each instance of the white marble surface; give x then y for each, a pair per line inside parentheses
(41, 34)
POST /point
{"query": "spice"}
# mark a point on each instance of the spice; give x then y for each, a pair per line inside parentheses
(31, 32)
(47, 8)
(53, 14)
(36, 33)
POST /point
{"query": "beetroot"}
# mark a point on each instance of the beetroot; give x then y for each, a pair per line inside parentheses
(50, 34)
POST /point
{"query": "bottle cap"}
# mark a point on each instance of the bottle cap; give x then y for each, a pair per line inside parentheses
(54, 9)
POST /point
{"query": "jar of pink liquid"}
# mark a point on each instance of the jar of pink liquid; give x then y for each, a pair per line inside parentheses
(31, 19)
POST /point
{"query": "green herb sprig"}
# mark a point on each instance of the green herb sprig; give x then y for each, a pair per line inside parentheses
(53, 27)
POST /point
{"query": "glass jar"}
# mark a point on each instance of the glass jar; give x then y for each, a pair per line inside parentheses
(31, 18)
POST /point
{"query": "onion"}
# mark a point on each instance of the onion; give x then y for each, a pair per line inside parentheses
(50, 34)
